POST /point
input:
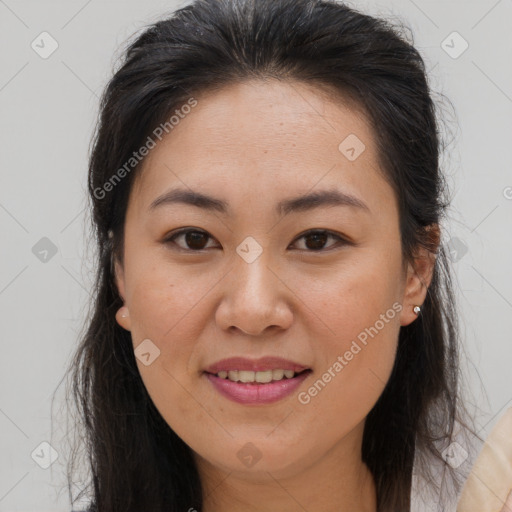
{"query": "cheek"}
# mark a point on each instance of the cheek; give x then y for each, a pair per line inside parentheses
(352, 296)
(357, 313)
(161, 297)
(356, 364)
(169, 306)
(168, 317)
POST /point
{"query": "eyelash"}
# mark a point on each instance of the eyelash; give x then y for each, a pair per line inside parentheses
(171, 239)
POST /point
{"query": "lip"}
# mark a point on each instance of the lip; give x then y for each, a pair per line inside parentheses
(255, 365)
(248, 393)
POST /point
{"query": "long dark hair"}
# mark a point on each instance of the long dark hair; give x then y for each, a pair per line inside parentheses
(136, 461)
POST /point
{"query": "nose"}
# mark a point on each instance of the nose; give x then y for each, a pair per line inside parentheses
(255, 299)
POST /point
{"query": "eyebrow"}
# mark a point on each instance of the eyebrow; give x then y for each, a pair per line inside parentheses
(302, 203)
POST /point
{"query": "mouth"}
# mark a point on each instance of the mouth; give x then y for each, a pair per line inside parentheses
(244, 366)
(256, 387)
(256, 381)
(259, 377)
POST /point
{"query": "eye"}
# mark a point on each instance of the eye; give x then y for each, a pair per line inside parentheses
(196, 240)
(316, 239)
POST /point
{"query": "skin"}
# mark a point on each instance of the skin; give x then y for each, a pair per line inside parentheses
(253, 144)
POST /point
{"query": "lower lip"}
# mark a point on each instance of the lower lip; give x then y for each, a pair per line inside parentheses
(257, 393)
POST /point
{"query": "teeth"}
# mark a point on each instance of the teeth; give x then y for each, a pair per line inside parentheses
(261, 377)
(245, 376)
(277, 374)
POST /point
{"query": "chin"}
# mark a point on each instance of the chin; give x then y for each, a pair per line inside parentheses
(255, 459)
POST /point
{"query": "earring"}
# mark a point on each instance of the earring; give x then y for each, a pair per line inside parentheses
(417, 310)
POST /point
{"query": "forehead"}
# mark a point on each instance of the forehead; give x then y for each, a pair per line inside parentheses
(263, 137)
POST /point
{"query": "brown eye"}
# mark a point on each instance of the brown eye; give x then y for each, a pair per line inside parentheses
(316, 239)
(194, 239)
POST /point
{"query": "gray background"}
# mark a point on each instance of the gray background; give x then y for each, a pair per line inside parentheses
(48, 109)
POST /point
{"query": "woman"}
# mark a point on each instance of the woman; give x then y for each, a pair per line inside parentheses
(274, 325)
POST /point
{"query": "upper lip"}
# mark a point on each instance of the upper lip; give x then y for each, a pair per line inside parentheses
(255, 365)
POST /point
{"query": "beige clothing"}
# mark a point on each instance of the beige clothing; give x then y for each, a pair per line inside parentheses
(489, 485)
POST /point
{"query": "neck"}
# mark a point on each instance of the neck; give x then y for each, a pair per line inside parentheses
(337, 481)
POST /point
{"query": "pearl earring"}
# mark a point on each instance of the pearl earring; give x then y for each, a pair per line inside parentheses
(417, 310)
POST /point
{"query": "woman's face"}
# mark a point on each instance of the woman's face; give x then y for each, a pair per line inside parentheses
(249, 282)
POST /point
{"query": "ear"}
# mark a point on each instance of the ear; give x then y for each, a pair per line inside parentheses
(119, 278)
(122, 315)
(419, 275)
